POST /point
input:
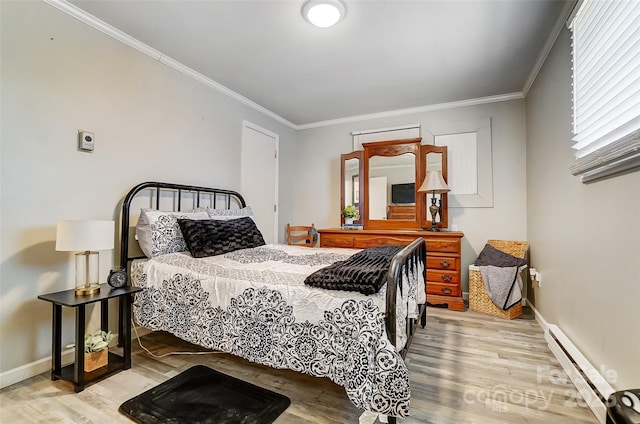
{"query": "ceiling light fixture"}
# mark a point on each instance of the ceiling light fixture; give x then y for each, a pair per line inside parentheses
(323, 13)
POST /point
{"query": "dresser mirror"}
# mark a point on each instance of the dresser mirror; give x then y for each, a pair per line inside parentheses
(434, 158)
(392, 187)
(391, 172)
(382, 181)
(351, 169)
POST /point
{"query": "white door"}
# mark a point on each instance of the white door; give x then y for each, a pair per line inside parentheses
(378, 198)
(259, 177)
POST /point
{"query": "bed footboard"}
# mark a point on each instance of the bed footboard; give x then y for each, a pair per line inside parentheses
(404, 263)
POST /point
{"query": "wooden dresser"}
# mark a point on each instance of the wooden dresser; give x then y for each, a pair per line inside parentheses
(443, 257)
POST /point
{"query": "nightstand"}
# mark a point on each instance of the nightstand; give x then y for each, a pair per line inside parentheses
(74, 373)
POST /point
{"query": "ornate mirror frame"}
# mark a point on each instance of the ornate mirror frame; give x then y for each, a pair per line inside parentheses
(443, 216)
(347, 181)
(389, 149)
(392, 148)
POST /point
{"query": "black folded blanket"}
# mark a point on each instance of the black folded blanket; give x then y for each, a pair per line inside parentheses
(494, 257)
(365, 272)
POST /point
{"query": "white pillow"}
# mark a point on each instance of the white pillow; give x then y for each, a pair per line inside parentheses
(158, 232)
(227, 214)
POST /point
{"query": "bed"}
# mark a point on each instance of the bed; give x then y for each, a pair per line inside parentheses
(253, 301)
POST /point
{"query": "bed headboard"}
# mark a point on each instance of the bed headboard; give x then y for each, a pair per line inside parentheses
(172, 198)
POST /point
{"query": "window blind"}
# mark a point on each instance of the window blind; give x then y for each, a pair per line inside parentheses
(606, 87)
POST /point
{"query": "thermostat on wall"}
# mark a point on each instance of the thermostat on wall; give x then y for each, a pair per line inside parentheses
(85, 141)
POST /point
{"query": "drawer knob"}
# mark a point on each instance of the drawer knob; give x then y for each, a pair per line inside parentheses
(447, 278)
(445, 264)
(446, 290)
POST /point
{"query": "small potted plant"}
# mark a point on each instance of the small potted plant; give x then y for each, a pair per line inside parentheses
(350, 213)
(96, 350)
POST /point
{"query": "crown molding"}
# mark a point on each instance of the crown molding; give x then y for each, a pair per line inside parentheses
(107, 29)
(419, 109)
(124, 38)
(546, 49)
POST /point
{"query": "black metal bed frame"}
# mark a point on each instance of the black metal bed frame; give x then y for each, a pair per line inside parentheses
(178, 189)
(403, 262)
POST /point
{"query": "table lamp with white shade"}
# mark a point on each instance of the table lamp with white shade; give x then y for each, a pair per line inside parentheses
(434, 183)
(85, 237)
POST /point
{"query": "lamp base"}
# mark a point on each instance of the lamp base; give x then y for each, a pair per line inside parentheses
(87, 266)
(434, 211)
(87, 290)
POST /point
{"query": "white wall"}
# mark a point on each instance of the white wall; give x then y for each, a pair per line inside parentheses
(585, 239)
(150, 123)
(318, 188)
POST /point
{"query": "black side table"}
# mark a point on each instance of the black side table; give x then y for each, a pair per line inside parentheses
(74, 373)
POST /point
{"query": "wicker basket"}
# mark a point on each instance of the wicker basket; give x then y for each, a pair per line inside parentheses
(479, 299)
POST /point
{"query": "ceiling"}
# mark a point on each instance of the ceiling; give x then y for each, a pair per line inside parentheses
(384, 56)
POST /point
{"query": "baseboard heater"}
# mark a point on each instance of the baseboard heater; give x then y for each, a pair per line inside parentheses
(590, 383)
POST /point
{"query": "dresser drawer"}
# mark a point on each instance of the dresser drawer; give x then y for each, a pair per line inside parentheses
(443, 262)
(441, 276)
(366, 242)
(336, 240)
(445, 245)
(444, 289)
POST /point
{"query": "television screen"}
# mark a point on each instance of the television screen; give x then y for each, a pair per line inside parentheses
(403, 193)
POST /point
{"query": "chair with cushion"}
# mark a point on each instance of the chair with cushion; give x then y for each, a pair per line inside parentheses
(302, 235)
(479, 298)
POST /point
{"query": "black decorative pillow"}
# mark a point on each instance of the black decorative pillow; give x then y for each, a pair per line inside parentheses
(492, 256)
(210, 237)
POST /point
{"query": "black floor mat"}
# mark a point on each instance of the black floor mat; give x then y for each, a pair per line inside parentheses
(203, 395)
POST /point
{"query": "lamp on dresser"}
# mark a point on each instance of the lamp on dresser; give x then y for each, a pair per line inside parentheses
(434, 183)
(85, 237)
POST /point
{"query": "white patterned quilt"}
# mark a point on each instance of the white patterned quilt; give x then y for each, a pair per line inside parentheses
(253, 303)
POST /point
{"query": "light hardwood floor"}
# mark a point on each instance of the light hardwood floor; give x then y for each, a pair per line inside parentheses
(466, 367)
